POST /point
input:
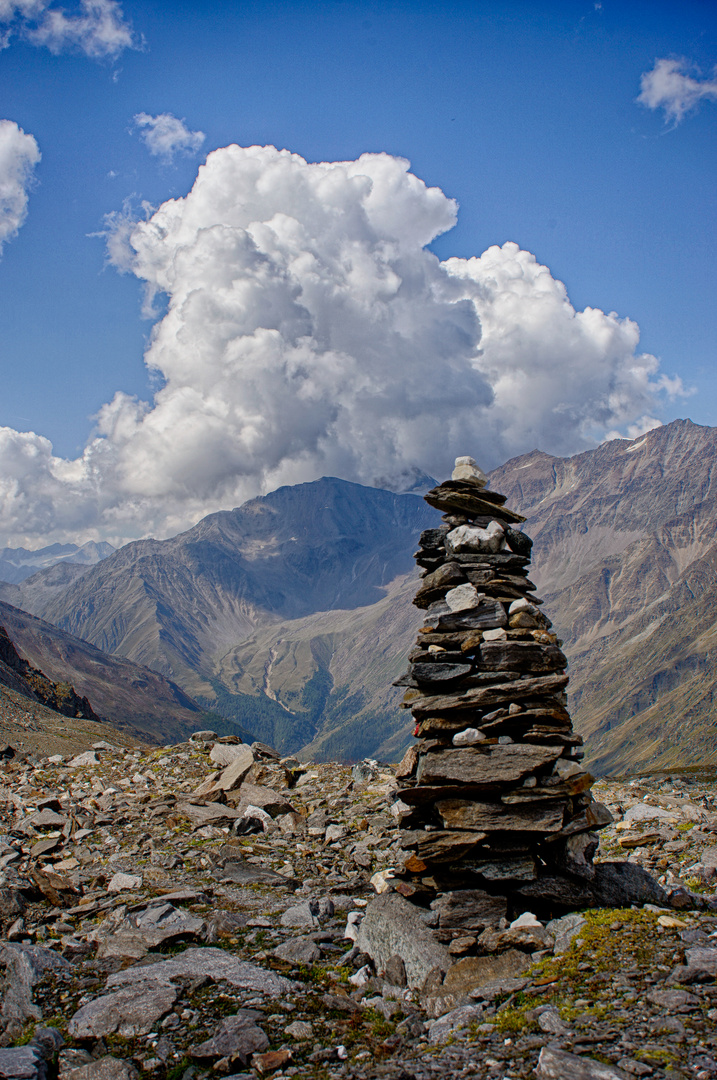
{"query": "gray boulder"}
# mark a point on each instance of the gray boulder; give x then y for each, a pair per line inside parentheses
(620, 884)
(28, 1062)
(236, 1038)
(393, 927)
(452, 1022)
(106, 1068)
(301, 950)
(24, 965)
(700, 966)
(146, 929)
(301, 915)
(22, 1063)
(615, 884)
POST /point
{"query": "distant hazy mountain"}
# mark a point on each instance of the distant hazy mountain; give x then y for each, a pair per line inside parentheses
(16, 564)
(292, 614)
(129, 697)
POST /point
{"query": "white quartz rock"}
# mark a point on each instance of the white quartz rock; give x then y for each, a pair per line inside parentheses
(362, 976)
(381, 879)
(526, 919)
(122, 882)
(463, 597)
(352, 925)
(469, 737)
(498, 634)
(474, 538)
(82, 760)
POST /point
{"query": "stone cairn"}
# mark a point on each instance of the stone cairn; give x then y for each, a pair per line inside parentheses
(494, 795)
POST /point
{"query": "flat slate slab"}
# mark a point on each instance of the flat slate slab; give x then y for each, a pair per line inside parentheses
(211, 814)
(246, 873)
(481, 697)
(556, 1064)
(486, 766)
(470, 909)
(443, 845)
(128, 1012)
(213, 963)
(477, 971)
(536, 817)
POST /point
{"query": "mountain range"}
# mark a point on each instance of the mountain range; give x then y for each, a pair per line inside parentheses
(292, 614)
(17, 564)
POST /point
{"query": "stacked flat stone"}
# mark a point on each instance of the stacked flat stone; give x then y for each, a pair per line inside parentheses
(494, 792)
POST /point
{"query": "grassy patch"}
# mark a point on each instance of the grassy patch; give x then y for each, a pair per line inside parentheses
(176, 1072)
(27, 1034)
(602, 947)
(512, 1019)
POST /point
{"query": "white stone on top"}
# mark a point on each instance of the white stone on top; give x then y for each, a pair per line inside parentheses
(82, 760)
(467, 470)
(645, 812)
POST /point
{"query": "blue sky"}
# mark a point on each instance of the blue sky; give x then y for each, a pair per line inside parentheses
(524, 113)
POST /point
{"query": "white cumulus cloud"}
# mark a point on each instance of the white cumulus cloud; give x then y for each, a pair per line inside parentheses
(309, 331)
(668, 87)
(165, 135)
(97, 28)
(19, 154)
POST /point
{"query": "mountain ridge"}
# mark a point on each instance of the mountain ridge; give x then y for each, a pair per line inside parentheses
(130, 698)
(301, 616)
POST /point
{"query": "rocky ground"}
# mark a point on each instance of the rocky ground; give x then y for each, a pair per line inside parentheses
(194, 911)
